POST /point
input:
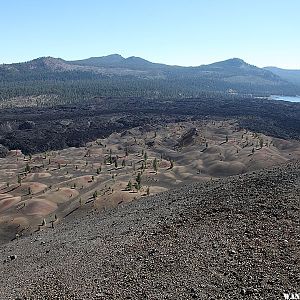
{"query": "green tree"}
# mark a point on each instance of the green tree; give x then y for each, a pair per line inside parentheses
(139, 178)
(129, 186)
(145, 156)
(95, 195)
(27, 168)
(155, 165)
(137, 186)
(261, 142)
(19, 179)
(171, 164)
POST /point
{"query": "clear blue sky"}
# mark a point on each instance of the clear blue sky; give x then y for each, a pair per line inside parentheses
(182, 32)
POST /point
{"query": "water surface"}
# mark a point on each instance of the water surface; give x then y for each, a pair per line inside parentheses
(285, 98)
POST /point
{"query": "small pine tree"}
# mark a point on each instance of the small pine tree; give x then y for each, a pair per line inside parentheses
(95, 195)
(261, 142)
(19, 179)
(155, 165)
(129, 186)
(123, 163)
(171, 164)
(137, 186)
(148, 191)
(27, 168)
(139, 178)
(145, 156)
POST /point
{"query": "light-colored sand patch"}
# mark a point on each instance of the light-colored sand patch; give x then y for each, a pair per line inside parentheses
(261, 159)
(4, 196)
(9, 166)
(222, 168)
(155, 189)
(7, 173)
(36, 176)
(62, 195)
(114, 199)
(8, 203)
(35, 187)
(40, 207)
(20, 221)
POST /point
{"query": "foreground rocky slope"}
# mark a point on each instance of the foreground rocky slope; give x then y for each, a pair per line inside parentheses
(234, 238)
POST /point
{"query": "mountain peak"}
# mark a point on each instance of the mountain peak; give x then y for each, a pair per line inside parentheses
(232, 62)
(102, 61)
(47, 62)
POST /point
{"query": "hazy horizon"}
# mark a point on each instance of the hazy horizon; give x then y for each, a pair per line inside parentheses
(171, 32)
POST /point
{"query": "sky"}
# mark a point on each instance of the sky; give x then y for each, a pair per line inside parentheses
(176, 32)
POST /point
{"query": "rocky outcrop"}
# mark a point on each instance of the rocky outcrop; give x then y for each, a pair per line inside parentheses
(3, 151)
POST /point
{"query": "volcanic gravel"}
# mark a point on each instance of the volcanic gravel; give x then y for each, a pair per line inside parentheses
(233, 238)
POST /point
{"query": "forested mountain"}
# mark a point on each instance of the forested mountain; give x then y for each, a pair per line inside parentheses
(289, 75)
(59, 81)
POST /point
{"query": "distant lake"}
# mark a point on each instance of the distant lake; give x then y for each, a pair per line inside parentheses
(285, 98)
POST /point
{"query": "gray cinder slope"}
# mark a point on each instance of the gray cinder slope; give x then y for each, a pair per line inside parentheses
(227, 239)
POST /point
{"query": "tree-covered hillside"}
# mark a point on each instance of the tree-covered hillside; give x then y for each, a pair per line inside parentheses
(60, 81)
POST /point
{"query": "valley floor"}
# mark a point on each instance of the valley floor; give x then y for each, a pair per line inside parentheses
(37, 192)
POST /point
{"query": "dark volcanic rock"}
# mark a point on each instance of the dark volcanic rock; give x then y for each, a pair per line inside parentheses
(26, 125)
(3, 151)
(62, 126)
(187, 138)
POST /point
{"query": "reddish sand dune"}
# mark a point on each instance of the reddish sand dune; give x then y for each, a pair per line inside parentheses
(8, 202)
(40, 207)
(62, 195)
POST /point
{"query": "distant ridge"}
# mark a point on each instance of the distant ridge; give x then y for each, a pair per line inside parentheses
(289, 75)
(134, 76)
